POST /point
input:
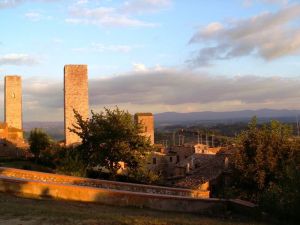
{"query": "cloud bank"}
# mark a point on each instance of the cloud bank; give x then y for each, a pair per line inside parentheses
(164, 89)
(268, 36)
(17, 59)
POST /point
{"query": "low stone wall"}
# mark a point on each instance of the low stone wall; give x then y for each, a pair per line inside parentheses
(38, 189)
(43, 185)
(62, 179)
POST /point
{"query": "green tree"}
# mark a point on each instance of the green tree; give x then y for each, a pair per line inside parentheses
(110, 137)
(266, 167)
(39, 141)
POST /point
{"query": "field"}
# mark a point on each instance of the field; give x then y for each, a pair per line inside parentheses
(23, 211)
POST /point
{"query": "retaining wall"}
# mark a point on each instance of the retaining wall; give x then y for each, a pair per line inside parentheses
(71, 180)
(43, 185)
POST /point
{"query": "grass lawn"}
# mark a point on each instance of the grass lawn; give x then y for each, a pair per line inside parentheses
(17, 211)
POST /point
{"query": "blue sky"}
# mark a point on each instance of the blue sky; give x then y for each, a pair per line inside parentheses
(154, 55)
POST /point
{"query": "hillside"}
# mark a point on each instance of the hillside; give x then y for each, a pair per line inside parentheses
(232, 116)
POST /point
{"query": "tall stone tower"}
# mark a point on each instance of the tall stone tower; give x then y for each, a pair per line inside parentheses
(13, 101)
(147, 121)
(75, 98)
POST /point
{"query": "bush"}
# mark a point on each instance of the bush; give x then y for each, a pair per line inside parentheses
(39, 141)
(70, 162)
(143, 175)
(283, 198)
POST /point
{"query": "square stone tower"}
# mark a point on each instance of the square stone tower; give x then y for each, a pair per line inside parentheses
(75, 97)
(147, 121)
(13, 101)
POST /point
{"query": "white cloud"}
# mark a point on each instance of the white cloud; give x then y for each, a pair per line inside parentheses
(138, 67)
(276, 1)
(13, 3)
(103, 16)
(79, 2)
(123, 15)
(18, 59)
(99, 47)
(248, 3)
(268, 35)
(33, 16)
(9, 3)
(114, 48)
(144, 6)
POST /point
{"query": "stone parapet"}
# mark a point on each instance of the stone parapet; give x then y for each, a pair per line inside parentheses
(42, 185)
(79, 181)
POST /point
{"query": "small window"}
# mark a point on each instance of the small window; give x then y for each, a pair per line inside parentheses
(146, 129)
(171, 159)
(178, 159)
(154, 161)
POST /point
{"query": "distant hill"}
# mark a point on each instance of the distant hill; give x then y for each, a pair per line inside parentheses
(56, 129)
(233, 116)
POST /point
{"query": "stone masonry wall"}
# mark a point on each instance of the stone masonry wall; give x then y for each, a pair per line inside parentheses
(13, 101)
(147, 120)
(75, 97)
(40, 185)
(131, 187)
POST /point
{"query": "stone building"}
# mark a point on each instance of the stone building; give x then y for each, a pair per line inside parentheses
(10, 133)
(13, 101)
(180, 160)
(75, 98)
(147, 121)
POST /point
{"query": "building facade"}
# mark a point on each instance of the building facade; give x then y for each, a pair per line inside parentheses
(75, 98)
(147, 122)
(13, 101)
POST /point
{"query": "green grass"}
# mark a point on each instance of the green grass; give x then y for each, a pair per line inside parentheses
(16, 210)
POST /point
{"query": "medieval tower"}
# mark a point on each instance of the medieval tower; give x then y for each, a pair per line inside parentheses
(147, 121)
(13, 101)
(75, 98)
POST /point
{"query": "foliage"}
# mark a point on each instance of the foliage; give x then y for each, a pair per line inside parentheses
(108, 138)
(39, 141)
(144, 175)
(69, 162)
(266, 167)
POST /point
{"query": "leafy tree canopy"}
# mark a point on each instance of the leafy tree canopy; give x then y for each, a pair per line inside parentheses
(267, 167)
(110, 137)
(39, 141)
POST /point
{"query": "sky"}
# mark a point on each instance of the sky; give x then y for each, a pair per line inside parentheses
(154, 55)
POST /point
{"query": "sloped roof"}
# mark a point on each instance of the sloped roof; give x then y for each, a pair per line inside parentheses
(144, 114)
(13, 129)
